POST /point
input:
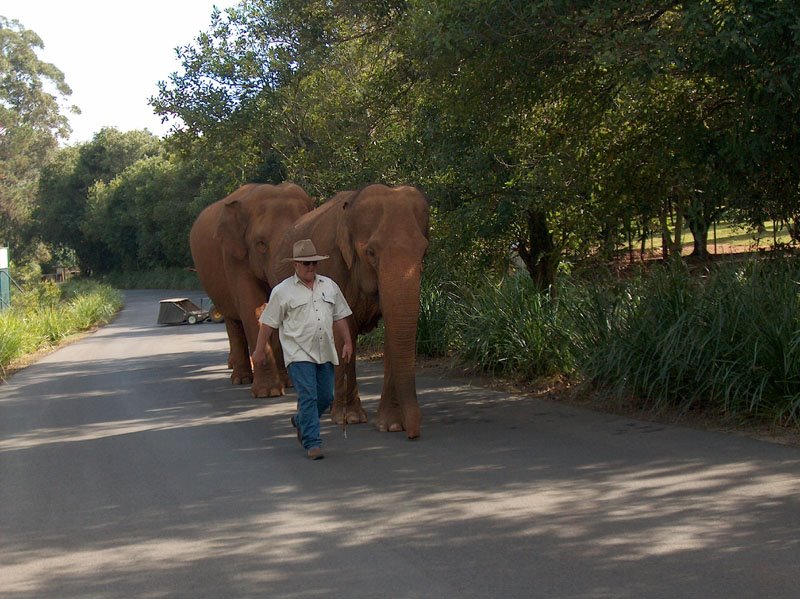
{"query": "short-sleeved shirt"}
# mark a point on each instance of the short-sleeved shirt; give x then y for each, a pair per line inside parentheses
(304, 318)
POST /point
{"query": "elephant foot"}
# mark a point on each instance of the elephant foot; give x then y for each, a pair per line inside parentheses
(354, 413)
(390, 420)
(267, 384)
(240, 377)
(265, 390)
(394, 427)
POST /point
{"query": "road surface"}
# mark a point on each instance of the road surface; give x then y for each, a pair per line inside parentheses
(130, 467)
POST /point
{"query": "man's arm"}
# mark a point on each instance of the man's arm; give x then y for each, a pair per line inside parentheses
(259, 353)
(341, 327)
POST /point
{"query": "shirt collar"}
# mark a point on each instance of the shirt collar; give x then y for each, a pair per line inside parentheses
(297, 279)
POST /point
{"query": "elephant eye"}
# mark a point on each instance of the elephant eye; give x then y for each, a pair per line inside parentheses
(370, 252)
(261, 247)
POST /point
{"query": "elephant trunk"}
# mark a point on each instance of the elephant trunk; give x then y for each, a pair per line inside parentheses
(400, 310)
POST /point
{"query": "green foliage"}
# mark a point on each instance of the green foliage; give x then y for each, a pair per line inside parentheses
(44, 294)
(44, 314)
(156, 278)
(509, 327)
(16, 338)
(143, 216)
(435, 334)
(31, 124)
(67, 213)
(727, 342)
(86, 310)
(26, 272)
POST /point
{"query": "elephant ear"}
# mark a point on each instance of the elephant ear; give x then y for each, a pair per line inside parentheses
(343, 238)
(231, 228)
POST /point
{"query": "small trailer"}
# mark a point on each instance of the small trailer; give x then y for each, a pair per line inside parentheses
(177, 310)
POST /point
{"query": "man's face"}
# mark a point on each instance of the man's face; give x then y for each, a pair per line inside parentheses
(306, 271)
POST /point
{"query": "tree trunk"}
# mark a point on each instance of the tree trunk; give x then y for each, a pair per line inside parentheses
(539, 253)
(677, 245)
(666, 238)
(699, 217)
(699, 230)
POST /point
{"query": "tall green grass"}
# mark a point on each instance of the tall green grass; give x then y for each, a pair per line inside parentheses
(44, 314)
(725, 341)
(508, 327)
(435, 324)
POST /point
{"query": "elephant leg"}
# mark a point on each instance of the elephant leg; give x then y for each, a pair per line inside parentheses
(239, 358)
(267, 379)
(347, 401)
(394, 413)
(390, 416)
(266, 382)
(277, 351)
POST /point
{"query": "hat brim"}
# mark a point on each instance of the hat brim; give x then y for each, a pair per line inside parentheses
(306, 259)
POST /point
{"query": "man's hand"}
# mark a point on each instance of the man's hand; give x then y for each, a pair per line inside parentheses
(347, 352)
(259, 357)
(341, 327)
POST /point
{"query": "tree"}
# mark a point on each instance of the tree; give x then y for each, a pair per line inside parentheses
(552, 130)
(142, 217)
(752, 49)
(64, 188)
(31, 123)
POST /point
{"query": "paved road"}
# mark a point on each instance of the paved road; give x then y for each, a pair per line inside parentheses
(130, 467)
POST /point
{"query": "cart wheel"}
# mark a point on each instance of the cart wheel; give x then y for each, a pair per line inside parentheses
(191, 319)
(216, 315)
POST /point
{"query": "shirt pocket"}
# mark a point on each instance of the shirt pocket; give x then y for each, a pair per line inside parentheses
(297, 309)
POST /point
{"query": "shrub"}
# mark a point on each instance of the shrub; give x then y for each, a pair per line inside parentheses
(510, 327)
(434, 334)
(728, 341)
(45, 313)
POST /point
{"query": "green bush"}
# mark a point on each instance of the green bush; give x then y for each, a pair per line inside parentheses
(34, 296)
(15, 338)
(510, 327)
(728, 341)
(157, 278)
(45, 313)
(725, 341)
(434, 332)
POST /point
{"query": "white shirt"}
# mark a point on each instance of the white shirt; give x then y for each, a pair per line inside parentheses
(304, 318)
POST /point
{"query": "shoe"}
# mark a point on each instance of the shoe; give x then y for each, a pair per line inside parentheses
(297, 428)
(315, 453)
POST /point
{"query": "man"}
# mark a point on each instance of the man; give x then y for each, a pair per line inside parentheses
(305, 309)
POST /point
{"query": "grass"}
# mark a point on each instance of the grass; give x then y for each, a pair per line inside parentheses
(43, 315)
(727, 237)
(727, 343)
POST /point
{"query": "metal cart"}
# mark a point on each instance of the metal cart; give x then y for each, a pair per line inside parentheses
(177, 310)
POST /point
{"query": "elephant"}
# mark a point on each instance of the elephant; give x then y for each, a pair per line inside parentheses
(376, 238)
(232, 242)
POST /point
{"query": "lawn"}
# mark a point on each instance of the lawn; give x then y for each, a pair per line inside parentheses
(727, 238)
